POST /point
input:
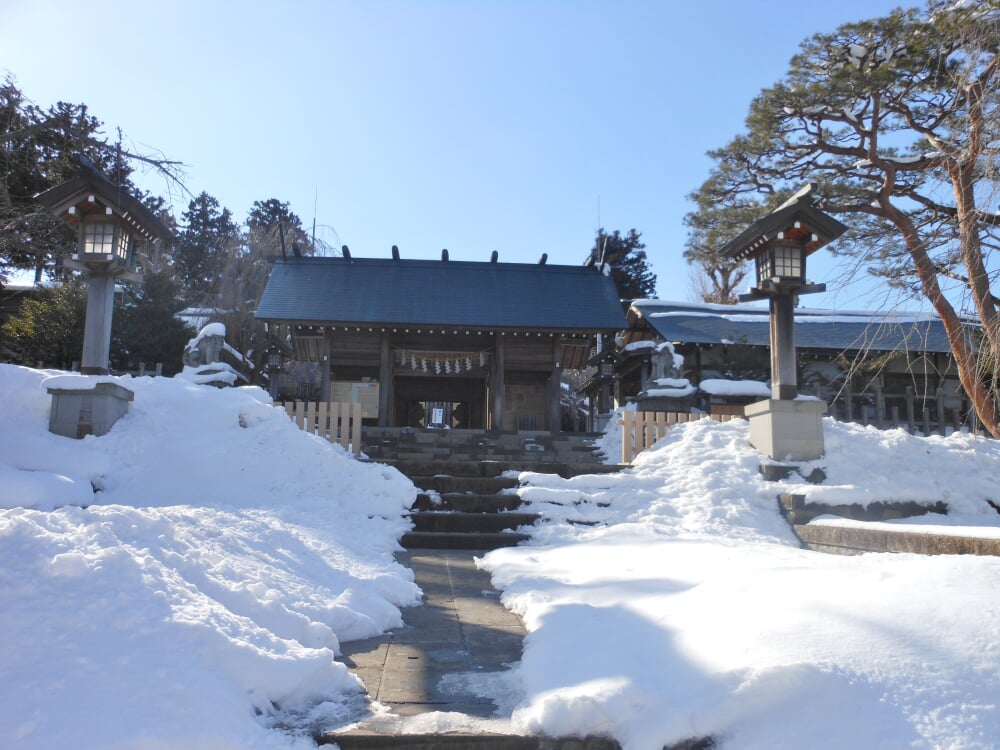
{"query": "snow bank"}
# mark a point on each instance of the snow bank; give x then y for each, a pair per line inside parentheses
(685, 607)
(200, 598)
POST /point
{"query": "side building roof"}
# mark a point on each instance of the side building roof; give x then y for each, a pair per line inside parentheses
(814, 329)
(372, 291)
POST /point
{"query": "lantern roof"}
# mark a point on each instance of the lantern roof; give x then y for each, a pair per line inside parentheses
(91, 192)
(798, 218)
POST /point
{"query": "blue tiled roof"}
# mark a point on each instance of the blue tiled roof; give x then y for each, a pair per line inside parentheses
(430, 292)
(814, 329)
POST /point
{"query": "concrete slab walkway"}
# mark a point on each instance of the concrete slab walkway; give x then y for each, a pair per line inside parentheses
(460, 638)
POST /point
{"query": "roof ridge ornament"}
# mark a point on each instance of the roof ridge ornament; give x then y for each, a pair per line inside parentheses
(809, 191)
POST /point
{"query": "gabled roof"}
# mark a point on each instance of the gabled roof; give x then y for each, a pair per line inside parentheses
(89, 180)
(814, 329)
(372, 291)
(785, 220)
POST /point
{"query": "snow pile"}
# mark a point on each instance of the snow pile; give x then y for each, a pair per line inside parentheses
(200, 597)
(672, 601)
(609, 444)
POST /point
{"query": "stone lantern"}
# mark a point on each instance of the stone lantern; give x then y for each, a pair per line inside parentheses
(779, 243)
(108, 221)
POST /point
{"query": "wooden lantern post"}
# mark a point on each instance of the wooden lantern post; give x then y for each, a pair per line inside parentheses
(782, 427)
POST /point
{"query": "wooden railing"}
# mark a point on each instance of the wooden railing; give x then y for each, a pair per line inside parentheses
(338, 422)
(640, 429)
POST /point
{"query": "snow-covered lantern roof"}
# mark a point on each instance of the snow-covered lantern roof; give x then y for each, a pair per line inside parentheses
(780, 242)
(107, 217)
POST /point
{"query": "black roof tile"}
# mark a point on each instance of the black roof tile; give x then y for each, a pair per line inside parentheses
(449, 293)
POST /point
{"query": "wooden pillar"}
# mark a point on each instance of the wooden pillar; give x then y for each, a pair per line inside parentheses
(784, 384)
(879, 402)
(553, 400)
(385, 381)
(324, 370)
(497, 385)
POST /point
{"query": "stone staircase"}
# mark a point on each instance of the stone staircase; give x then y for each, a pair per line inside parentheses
(472, 504)
(465, 501)
(466, 512)
(531, 446)
(464, 506)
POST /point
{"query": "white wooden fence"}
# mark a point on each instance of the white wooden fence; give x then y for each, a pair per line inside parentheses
(640, 429)
(337, 421)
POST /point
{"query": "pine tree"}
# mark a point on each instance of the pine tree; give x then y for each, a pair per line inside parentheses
(209, 239)
(897, 119)
(630, 268)
(147, 329)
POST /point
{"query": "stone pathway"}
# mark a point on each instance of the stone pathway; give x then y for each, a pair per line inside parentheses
(460, 639)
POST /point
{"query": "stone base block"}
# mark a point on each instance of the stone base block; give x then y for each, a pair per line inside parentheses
(787, 430)
(78, 412)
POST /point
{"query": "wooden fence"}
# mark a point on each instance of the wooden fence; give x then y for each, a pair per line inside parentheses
(336, 421)
(640, 429)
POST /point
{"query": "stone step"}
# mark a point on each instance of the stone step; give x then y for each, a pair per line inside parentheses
(468, 502)
(457, 540)
(459, 522)
(446, 483)
(461, 741)
(490, 468)
(356, 740)
(476, 467)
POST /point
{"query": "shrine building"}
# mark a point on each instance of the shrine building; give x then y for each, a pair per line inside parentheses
(441, 343)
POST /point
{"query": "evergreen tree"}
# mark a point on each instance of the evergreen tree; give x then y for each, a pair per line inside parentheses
(898, 121)
(48, 330)
(626, 255)
(716, 279)
(147, 329)
(204, 247)
(245, 274)
(36, 150)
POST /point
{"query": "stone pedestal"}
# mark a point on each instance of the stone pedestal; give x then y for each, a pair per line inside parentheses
(78, 412)
(787, 430)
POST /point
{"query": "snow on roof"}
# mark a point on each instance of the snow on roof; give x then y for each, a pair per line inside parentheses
(636, 346)
(837, 330)
(720, 387)
(682, 392)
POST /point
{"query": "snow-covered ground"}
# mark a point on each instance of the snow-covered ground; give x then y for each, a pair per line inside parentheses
(199, 599)
(687, 609)
(201, 595)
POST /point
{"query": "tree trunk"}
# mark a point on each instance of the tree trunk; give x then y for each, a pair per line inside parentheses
(966, 359)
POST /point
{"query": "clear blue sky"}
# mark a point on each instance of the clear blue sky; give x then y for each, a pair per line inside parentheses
(473, 126)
